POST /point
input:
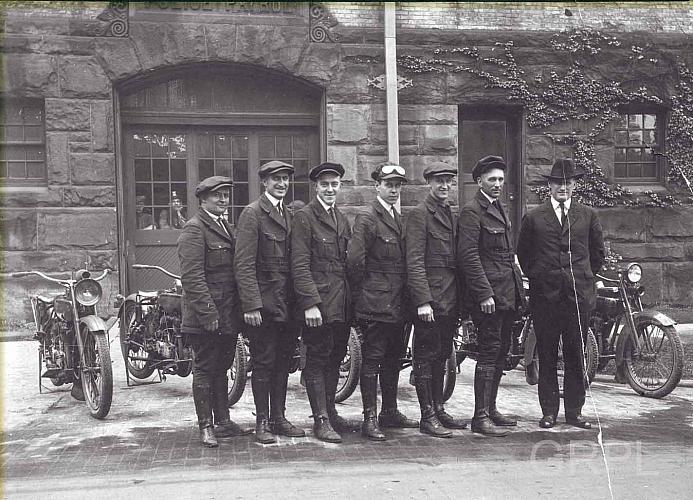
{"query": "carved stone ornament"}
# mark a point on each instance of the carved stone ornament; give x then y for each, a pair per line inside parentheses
(116, 15)
(378, 82)
(321, 22)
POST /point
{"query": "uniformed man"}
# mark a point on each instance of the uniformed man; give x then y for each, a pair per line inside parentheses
(430, 237)
(262, 267)
(210, 299)
(493, 291)
(319, 240)
(377, 268)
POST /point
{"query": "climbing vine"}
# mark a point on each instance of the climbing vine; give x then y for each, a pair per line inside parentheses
(580, 93)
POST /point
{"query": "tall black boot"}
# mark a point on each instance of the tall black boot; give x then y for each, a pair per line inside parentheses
(261, 394)
(390, 416)
(497, 417)
(278, 423)
(203, 407)
(339, 423)
(315, 387)
(483, 382)
(437, 380)
(429, 421)
(369, 395)
(223, 425)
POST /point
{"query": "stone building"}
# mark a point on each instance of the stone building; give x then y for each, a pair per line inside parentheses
(114, 111)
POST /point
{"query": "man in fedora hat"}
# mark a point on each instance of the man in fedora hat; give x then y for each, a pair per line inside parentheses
(560, 248)
(262, 267)
(493, 288)
(210, 302)
(431, 235)
(377, 269)
(319, 238)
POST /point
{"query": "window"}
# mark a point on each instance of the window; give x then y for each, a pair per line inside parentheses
(635, 136)
(22, 143)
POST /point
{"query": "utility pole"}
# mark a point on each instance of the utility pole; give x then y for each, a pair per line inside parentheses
(391, 83)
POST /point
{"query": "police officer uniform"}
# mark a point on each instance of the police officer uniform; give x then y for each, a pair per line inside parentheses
(205, 251)
(430, 238)
(486, 260)
(262, 267)
(319, 240)
(377, 268)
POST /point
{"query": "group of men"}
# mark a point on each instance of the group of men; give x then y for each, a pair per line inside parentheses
(287, 273)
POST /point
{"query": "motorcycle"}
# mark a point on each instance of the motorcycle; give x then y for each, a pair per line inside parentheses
(73, 340)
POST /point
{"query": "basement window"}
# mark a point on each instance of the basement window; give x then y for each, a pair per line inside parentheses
(22, 143)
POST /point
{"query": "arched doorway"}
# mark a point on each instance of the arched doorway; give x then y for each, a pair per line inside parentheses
(198, 121)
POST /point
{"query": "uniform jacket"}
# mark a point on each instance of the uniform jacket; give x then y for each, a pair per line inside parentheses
(318, 262)
(376, 261)
(486, 256)
(544, 251)
(262, 260)
(430, 238)
(206, 253)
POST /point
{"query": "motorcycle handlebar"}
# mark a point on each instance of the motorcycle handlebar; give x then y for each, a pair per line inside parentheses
(21, 274)
(604, 278)
(102, 275)
(158, 268)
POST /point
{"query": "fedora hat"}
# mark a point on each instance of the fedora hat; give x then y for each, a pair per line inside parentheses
(564, 168)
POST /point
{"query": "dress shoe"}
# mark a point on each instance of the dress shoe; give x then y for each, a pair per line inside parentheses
(207, 437)
(341, 424)
(370, 429)
(396, 419)
(231, 429)
(547, 421)
(282, 427)
(448, 421)
(262, 432)
(77, 391)
(483, 425)
(431, 425)
(324, 431)
(578, 421)
(501, 420)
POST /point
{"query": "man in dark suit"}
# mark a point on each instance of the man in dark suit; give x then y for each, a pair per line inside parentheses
(319, 238)
(560, 249)
(493, 288)
(210, 302)
(378, 273)
(262, 267)
(431, 236)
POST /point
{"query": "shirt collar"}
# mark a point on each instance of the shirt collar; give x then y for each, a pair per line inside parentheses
(325, 205)
(556, 205)
(491, 200)
(387, 206)
(215, 218)
(274, 201)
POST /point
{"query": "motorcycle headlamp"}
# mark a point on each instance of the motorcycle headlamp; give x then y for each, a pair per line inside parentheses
(634, 273)
(88, 292)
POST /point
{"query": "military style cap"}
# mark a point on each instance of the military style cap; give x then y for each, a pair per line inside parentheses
(212, 184)
(439, 168)
(274, 166)
(564, 168)
(486, 164)
(327, 167)
(389, 171)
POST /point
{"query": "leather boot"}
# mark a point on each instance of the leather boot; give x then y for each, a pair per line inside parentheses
(481, 422)
(203, 408)
(429, 421)
(77, 390)
(339, 423)
(497, 417)
(437, 379)
(223, 425)
(278, 423)
(390, 416)
(263, 434)
(261, 390)
(369, 395)
(315, 387)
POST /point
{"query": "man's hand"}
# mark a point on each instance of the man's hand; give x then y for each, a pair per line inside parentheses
(488, 305)
(313, 316)
(425, 313)
(253, 318)
(212, 326)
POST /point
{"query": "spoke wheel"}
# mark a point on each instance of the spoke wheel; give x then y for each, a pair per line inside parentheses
(238, 373)
(450, 374)
(138, 368)
(591, 352)
(350, 368)
(97, 374)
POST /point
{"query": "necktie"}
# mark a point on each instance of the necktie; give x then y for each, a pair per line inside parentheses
(396, 216)
(563, 217)
(333, 215)
(220, 221)
(498, 206)
(279, 209)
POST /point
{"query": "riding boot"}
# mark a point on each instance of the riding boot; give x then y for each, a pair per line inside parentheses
(315, 388)
(261, 395)
(369, 395)
(483, 382)
(429, 421)
(390, 416)
(437, 379)
(278, 423)
(77, 390)
(339, 423)
(497, 417)
(223, 425)
(203, 408)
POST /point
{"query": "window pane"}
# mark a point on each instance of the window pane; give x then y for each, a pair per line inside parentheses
(240, 194)
(205, 168)
(33, 133)
(621, 137)
(240, 170)
(301, 192)
(634, 154)
(141, 145)
(651, 137)
(222, 167)
(35, 170)
(177, 147)
(3, 170)
(284, 146)
(17, 170)
(14, 152)
(240, 147)
(178, 170)
(634, 121)
(634, 170)
(649, 170)
(159, 145)
(620, 170)
(635, 137)
(267, 147)
(14, 133)
(301, 172)
(619, 154)
(620, 121)
(143, 170)
(34, 153)
(161, 194)
(144, 191)
(301, 146)
(205, 148)
(222, 147)
(160, 170)
(650, 121)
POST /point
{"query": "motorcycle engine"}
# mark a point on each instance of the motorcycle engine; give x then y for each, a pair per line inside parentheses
(164, 349)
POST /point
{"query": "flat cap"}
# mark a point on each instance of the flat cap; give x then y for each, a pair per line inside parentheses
(212, 184)
(487, 163)
(323, 168)
(439, 168)
(564, 168)
(272, 167)
(388, 171)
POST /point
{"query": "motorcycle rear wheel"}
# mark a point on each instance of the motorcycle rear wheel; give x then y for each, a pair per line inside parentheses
(591, 353)
(450, 374)
(138, 368)
(97, 374)
(349, 368)
(654, 367)
(238, 373)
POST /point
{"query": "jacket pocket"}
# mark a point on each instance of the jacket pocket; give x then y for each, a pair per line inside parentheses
(218, 254)
(440, 243)
(325, 247)
(273, 244)
(493, 237)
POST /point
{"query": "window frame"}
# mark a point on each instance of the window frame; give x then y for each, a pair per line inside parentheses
(661, 117)
(26, 182)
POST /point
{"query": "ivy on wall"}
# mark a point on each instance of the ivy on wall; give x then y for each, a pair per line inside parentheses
(581, 93)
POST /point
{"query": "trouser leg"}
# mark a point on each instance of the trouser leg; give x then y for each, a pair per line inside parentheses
(445, 332)
(341, 333)
(548, 326)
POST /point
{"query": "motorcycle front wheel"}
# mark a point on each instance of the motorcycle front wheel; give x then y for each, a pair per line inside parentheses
(139, 368)
(97, 373)
(238, 373)
(655, 365)
(349, 368)
(450, 374)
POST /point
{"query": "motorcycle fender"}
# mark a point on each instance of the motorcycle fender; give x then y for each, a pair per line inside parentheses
(130, 298)
(656, 316)
(93, 323)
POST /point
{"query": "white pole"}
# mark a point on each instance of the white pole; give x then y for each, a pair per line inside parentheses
(391, 83)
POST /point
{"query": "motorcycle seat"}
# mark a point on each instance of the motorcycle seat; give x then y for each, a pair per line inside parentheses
(608, 291)
(148, 294)
(47, 299)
